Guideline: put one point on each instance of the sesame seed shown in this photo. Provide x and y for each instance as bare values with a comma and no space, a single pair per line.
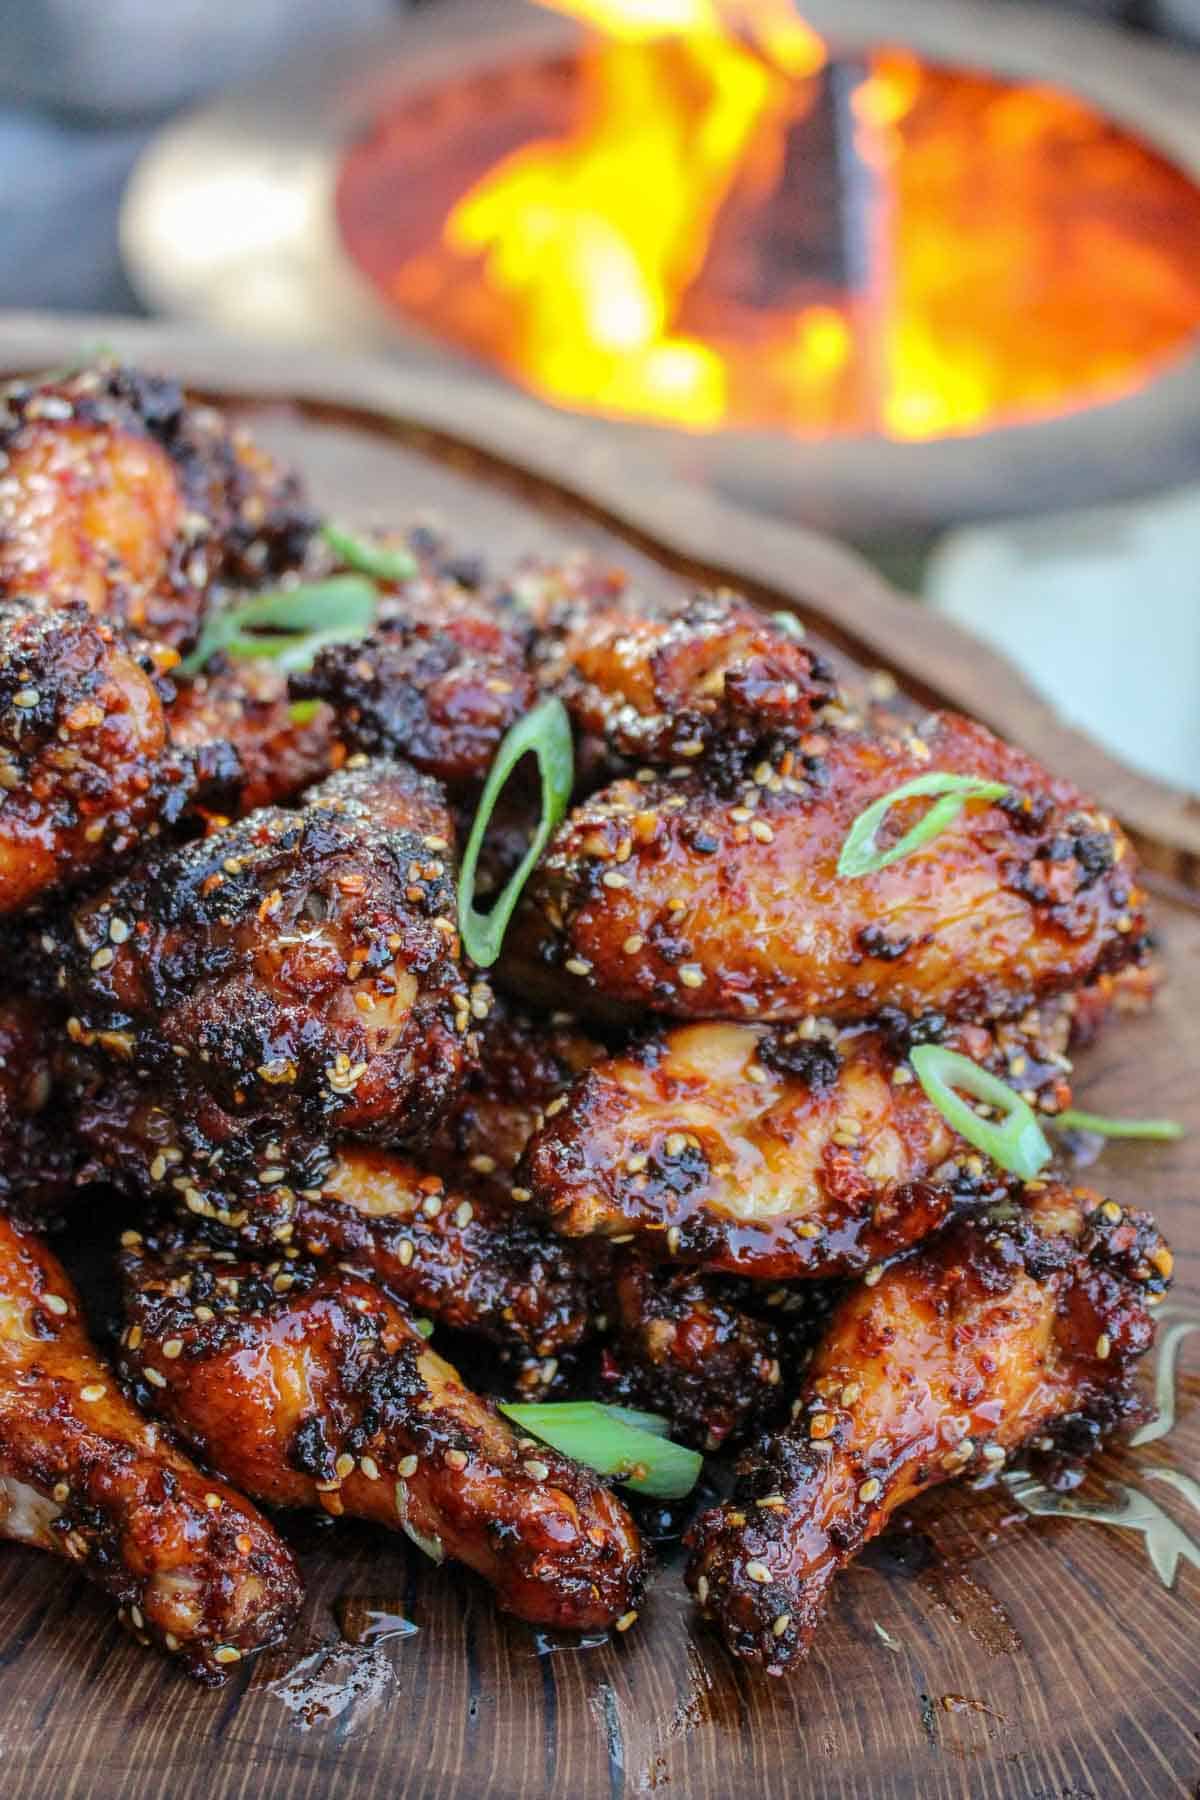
612,879
575,965
851,1392
1103,1346
633,943
369,1467
60,1492
456,1459
872,1275
405,1252
637,1162
992,1453
758,1571
26,698
676,1143
780,1624
702,1589
691,975
407,1466
244,1542
762,831
1112,1212
536,1469
343,1468
95,1390
626,1620
673,1240
464,1212
821,1425
225,1653
103,957
172,1348
154,1378
521,1194
56,1304
870,1489
484,1165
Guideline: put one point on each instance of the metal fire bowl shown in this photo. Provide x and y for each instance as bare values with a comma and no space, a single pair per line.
229,220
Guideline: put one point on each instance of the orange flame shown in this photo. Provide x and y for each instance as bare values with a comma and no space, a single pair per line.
1018,254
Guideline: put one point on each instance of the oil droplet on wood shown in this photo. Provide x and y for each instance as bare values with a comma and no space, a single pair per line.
366,1621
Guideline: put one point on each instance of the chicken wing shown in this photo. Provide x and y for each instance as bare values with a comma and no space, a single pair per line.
86,765
303,965
193,1567
712,676
119,492
310,1388
701,900
775,1151
1011,1322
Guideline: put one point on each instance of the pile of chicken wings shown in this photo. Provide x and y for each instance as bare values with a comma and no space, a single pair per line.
669,1152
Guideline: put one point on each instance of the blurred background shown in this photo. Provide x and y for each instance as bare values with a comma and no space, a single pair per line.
939,294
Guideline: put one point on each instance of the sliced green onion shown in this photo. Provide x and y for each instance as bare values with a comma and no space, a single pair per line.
545,733
303,712
290,624
1166,1130
604,1439
789,623
1018,1144
382,562
861,856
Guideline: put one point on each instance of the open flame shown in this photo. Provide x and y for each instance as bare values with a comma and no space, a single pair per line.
737,228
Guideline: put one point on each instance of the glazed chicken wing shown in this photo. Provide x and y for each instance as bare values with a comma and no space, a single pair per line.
712,677
192,1566
699,899
1009,1323
86,764
299,964
310,1388
119,492
774,1151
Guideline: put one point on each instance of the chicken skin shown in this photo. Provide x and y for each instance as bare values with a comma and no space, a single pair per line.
310,1388
439,683
272,749
86,763
1010,1323
777,1152
119,492
192,1566
714,676
699,899
300,964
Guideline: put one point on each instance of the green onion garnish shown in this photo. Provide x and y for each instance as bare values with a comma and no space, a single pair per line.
789,623
545,733
382,562
303,712
608,1440
860,855
289,625
1018,1144
1167,1130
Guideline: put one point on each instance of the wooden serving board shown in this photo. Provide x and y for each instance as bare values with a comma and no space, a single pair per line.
979,1651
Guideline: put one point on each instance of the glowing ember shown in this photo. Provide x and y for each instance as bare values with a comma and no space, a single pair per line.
734,229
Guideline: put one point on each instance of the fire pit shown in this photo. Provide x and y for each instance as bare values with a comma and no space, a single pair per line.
862,283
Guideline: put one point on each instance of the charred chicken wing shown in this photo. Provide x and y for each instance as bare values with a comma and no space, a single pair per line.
773,1151
310,1388
1009,1323
192,1566
86,765
300,963
700,898
118,491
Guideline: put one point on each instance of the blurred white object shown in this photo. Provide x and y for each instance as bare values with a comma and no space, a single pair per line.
1101,610
135,58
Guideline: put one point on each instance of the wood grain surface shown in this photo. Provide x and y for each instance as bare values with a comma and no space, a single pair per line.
976,1652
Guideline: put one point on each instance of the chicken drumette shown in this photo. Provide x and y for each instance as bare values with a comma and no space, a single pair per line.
1011,1322
310,1388
709,897
192,1566
119,492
